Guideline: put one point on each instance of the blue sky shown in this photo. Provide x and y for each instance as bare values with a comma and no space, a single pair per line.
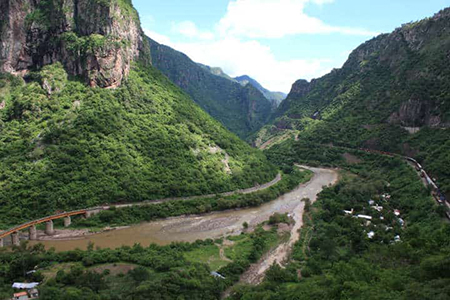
276,41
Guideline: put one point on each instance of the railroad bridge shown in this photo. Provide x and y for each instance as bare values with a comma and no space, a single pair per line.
31,226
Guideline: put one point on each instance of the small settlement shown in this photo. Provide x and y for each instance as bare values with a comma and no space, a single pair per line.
379,217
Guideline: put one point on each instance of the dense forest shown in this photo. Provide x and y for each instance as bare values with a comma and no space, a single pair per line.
72,146
403,256
401,253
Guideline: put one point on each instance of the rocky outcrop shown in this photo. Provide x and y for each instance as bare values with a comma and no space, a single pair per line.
300,89
95,39
415,113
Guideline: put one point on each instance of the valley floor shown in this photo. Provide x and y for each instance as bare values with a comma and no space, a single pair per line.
212,225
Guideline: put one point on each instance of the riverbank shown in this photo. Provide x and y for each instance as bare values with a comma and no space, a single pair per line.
191,228
279,255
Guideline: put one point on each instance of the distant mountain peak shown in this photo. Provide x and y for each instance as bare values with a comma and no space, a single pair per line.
274,97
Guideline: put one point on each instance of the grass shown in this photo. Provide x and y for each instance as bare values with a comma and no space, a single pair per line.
241,248
209,255
114,268
243,244
51,271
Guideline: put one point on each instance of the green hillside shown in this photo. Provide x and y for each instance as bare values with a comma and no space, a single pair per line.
274,97
243,110
391,87
85,146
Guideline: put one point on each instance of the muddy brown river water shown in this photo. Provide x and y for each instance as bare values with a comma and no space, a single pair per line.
213,225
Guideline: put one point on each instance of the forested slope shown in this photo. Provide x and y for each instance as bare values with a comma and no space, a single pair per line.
67,143
274,97
242,109
390,88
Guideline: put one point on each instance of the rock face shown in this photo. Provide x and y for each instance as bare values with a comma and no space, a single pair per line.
300,88
415,113
95,39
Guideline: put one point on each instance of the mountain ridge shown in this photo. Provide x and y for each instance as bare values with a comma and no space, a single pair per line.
391,86
275,97
243,110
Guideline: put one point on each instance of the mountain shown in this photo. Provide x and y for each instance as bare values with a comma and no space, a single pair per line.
243,110
392,94
217,71
86,120
275,97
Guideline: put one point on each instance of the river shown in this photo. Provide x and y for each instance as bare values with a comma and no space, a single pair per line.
213,225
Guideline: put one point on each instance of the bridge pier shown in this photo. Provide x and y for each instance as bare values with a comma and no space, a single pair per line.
67,221
15,239
88,214
1,243
32,233
49,228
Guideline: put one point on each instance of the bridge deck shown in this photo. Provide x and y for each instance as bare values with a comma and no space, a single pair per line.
42,220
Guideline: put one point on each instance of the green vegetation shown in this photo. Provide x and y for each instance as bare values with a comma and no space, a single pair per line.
91,44
208,254
146,213
433,150
50,13
274,97
176,271
335,258
80,147
253,246
243,110
277,218
388,84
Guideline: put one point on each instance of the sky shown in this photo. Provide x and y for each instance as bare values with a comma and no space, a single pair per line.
276,42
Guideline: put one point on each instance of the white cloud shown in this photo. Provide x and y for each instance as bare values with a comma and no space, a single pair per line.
190,30
162,39
276,19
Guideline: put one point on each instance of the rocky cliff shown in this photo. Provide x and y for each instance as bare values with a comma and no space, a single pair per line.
94,39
